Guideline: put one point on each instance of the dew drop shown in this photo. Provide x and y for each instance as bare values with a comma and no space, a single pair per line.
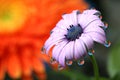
69,62
53,61
60,67
97,14
51,32
100,17
107,44
103,27
43,50
106,25
91,52
78,12
81,62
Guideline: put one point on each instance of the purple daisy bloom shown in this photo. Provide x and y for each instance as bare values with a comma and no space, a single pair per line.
74,35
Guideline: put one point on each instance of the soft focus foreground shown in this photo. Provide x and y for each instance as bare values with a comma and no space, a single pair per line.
24,26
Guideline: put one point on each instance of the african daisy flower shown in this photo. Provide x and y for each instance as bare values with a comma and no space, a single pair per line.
24,26
74,36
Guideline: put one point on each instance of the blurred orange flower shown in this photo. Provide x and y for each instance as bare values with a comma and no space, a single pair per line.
24,26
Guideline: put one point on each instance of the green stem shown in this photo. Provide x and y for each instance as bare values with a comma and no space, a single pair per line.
95,66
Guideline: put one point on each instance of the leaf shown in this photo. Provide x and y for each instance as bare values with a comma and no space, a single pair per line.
117,77
113,60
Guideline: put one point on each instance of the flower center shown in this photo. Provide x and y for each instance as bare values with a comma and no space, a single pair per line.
74,32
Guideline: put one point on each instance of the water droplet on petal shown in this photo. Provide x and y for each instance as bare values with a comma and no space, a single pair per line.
78,12
51,32
103,27
81,62
106,25
43,50
60,67
97,14
107,44
53,61
100,17
91,52
69,62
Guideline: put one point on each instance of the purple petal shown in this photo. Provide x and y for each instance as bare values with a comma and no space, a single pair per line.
62,24
88,41
84,20
66,53
100,38
90,12
62,58
69,50
93,27
52,41
58,48
71,18
58,32
80,49
98,23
